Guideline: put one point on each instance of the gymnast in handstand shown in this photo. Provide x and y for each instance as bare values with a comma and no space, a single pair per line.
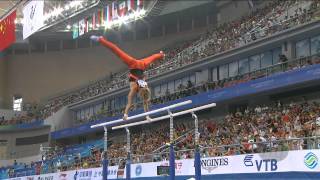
136,75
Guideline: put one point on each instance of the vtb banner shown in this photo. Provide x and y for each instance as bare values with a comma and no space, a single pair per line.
32,17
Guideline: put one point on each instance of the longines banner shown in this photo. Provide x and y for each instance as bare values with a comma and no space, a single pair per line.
286,161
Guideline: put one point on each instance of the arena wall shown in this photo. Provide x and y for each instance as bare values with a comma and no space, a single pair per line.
60,120
3,81
38,75
10,141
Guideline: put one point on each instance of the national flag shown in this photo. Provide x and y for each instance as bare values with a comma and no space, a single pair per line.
81,27
75,30
89,23
114,10
7,31
108,14
102,16
139,4
122,9
99,16
94,21
130,5
86,29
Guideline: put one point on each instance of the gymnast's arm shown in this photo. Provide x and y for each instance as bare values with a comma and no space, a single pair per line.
148,60
115,49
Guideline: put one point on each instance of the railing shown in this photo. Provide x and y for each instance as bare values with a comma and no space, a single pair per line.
280,145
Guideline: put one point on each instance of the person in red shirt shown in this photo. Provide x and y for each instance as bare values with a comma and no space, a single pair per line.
136,75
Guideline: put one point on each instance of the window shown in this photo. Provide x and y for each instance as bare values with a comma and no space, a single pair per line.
266,59
177,84
157,91
302,48
254,62
243,66
17,103
223,72
171,86
315,45
275,55
164,88
233,69
185,81
193,79
32,140
202,76
214,74
78,115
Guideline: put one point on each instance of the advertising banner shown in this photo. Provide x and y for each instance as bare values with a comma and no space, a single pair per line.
32,17
274,162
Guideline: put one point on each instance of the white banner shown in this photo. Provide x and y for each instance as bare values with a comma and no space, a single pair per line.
82,26
292,161
33,17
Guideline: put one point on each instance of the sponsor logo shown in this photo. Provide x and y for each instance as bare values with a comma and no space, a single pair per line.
311,160
33,10
261,164
75,176
177,164
63,176
248,160
213,163
112,172
138,170
46,178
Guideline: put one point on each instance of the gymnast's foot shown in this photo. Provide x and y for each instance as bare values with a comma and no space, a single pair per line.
148,118
95,38
125,117
164,55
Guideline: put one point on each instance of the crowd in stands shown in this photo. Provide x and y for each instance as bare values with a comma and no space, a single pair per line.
264,128
273,18
193,89
18,119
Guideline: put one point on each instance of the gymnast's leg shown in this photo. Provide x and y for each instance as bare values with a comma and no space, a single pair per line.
130,61
148,60
145,94
133,91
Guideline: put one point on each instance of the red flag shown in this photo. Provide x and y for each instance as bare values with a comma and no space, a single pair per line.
7,31
122,9
108,14
130,4
94,21
114,10
99,17
139,4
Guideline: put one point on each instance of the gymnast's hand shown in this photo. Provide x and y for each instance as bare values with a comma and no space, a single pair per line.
95,38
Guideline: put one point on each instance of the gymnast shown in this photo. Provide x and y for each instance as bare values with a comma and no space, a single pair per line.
136,75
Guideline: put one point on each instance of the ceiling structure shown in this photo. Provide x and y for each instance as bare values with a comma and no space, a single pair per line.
6,5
